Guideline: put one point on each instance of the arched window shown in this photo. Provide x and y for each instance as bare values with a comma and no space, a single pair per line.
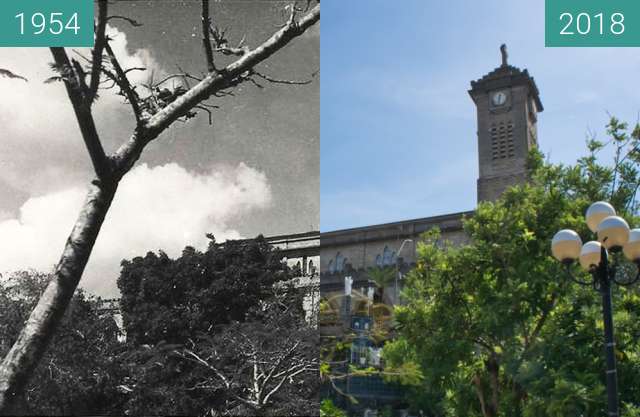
332,267
387,256
379,260
339,262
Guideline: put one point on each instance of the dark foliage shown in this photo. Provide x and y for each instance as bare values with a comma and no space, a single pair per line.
78,373
226,306
230,305
172,300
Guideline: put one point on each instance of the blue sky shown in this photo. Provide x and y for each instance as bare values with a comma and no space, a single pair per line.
398,128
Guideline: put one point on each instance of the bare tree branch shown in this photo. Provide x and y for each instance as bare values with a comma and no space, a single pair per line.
97,50
278,81
188,354
8,74
262,374
82,109
208,112
206,40
134,23
222,43
171,76
214,83
123,82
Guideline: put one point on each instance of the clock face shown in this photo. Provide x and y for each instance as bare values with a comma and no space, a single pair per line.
499,98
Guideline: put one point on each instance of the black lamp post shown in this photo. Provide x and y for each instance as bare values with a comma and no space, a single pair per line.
614,237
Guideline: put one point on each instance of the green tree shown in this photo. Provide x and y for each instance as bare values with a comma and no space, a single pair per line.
496,327
329,409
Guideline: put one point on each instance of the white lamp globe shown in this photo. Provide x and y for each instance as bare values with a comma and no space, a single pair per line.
597,212
590,255
565,245
632,248
613,232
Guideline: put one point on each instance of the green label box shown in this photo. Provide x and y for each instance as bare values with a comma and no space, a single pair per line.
46,23
592,22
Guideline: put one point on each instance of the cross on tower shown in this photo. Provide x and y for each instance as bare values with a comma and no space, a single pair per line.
503,51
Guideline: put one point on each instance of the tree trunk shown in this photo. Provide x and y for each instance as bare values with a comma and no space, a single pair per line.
493,367
480,393
21,360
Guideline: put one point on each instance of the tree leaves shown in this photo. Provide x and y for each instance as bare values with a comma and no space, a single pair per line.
503,301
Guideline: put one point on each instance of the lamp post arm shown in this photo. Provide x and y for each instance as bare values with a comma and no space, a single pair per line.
567,268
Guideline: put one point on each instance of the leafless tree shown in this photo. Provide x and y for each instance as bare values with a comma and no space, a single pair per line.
251,374
154,113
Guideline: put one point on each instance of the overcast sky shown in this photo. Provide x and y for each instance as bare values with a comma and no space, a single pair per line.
398,126
256,170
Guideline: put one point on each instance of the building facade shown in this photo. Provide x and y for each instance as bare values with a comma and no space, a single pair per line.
361,269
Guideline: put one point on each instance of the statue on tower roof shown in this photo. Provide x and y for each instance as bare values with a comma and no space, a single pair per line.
503,51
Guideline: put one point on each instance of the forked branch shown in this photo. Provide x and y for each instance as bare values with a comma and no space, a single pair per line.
97,50
76,89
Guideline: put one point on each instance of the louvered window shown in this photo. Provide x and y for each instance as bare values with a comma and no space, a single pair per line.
502,146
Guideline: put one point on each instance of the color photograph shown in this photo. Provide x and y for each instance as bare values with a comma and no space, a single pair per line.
459,158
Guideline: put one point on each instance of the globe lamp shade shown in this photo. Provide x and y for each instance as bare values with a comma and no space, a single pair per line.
597,212
613,232
590,255
566,245
632,248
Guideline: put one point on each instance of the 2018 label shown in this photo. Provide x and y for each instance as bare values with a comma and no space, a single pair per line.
581,24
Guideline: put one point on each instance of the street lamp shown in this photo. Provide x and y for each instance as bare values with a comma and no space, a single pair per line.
613,236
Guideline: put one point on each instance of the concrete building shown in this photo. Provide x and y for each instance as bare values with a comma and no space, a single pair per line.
507,102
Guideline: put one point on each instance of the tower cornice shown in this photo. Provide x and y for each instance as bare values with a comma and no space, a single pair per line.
505,76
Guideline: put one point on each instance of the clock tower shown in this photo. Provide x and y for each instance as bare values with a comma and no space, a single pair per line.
508,103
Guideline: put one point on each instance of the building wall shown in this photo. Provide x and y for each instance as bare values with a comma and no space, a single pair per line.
366,247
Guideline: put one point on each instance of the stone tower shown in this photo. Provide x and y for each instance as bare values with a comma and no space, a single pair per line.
507,102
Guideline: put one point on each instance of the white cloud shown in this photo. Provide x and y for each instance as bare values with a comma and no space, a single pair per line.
139,58
164,207
37,119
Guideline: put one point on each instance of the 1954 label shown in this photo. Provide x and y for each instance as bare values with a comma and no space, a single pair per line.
46,23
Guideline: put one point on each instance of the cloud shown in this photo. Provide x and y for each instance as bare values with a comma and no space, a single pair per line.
139,58
37,119
164,207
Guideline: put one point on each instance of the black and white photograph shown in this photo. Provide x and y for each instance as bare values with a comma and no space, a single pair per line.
159,214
